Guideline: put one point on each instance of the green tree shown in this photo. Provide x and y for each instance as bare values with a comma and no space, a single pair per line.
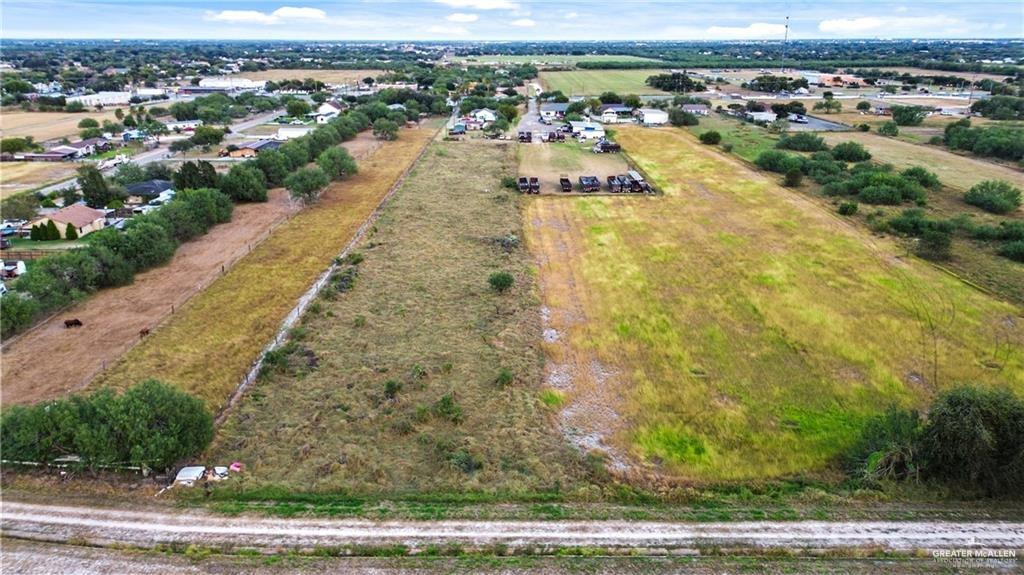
244,183
88,123
274,166
336,162
94,188
297,108
890,129
20,207
70,233
935,244
677,117
385,129
500,281
828,105
52,233
711,137
297,152
863,105
794,177
307,183
130,173
908,115
850,152
207,136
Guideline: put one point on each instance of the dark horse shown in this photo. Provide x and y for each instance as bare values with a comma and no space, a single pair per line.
69,323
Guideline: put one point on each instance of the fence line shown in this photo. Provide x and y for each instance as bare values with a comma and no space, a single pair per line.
293,316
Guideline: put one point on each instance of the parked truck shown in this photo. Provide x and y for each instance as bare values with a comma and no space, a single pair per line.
566,184
534,186
524,185
590,184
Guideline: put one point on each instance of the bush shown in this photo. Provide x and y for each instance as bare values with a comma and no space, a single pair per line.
336,163
908,115
935,244
802,142
847,208
850,152
501,281
678,117
1012,250
890,129
778,162
975,439
886,448
152,424
922,176
307,183
245,183
995,196
711,138
793,178
863,128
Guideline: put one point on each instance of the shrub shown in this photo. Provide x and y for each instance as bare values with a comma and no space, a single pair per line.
391,388
727,148
70,233
850,152
886,448
802,142
244,183
921,176
307,183
975,439
152,424
336,163
793,178
500,281
863,128
890,129
847,208
447,408
995,196
1013,250
504,378
908,115
777,161
711,138
935,244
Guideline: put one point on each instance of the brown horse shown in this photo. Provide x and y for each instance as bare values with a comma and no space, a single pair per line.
70,323
143,332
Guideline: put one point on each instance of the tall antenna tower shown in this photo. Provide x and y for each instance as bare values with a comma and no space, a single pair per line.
785,39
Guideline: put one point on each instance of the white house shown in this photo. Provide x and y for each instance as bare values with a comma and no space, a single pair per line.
102,99
183,125
330,107
230,83
615,113
587,130
766,117
652,117
697,109
484,115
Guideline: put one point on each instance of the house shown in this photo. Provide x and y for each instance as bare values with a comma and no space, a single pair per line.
330,107
183,125
142,192
587,130
81,217
697,109
615,113
762,117
251,149
83,148
484,115
102,99
129,135
652,117
553,110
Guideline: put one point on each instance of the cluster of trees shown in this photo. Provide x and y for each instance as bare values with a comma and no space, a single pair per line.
150,425
773,84
220,108
802,142
994,196
49,231
675,82
112,258
203,136
936,235
972,439
1000,108
992,141
909,115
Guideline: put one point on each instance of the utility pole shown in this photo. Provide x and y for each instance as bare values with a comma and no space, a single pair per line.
785,39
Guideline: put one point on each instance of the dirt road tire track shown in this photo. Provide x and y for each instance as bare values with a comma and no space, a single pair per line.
146,529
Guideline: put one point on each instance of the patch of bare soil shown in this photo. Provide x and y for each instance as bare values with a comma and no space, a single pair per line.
50,360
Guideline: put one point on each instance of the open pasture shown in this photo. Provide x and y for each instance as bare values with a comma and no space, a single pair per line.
208,345
326,76
733,329
596,82
18,177
45,126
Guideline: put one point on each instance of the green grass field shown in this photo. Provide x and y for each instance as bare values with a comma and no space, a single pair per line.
747,140
747,331
419,325
595,82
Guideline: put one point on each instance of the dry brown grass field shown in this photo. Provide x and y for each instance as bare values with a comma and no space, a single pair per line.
47,125
208,345
17,177
395,383
549,162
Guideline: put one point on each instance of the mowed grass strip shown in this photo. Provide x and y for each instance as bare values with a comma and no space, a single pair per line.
418,325
751,331
596,82
208,345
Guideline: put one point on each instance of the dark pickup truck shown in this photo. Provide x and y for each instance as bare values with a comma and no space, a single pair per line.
524,185
566,184
590,184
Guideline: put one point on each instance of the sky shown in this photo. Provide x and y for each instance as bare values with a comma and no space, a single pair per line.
507,19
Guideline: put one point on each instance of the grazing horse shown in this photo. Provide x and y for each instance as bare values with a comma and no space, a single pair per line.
70,323
143,332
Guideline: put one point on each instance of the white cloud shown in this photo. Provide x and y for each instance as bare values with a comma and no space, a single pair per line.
481,4
523,23
571,15
901,9
460,17
755,31
890,26
256,17
448,31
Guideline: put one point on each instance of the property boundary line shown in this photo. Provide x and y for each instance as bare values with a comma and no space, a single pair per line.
293,316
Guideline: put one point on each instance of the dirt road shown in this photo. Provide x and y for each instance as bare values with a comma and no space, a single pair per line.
147,529
50,360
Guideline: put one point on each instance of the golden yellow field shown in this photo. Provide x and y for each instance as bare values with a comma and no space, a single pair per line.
734,329
208,346
328,76
20,176
47,125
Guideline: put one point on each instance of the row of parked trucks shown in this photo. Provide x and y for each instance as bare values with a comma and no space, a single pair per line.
629,183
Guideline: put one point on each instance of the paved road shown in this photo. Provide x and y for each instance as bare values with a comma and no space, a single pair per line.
815,124
148,529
